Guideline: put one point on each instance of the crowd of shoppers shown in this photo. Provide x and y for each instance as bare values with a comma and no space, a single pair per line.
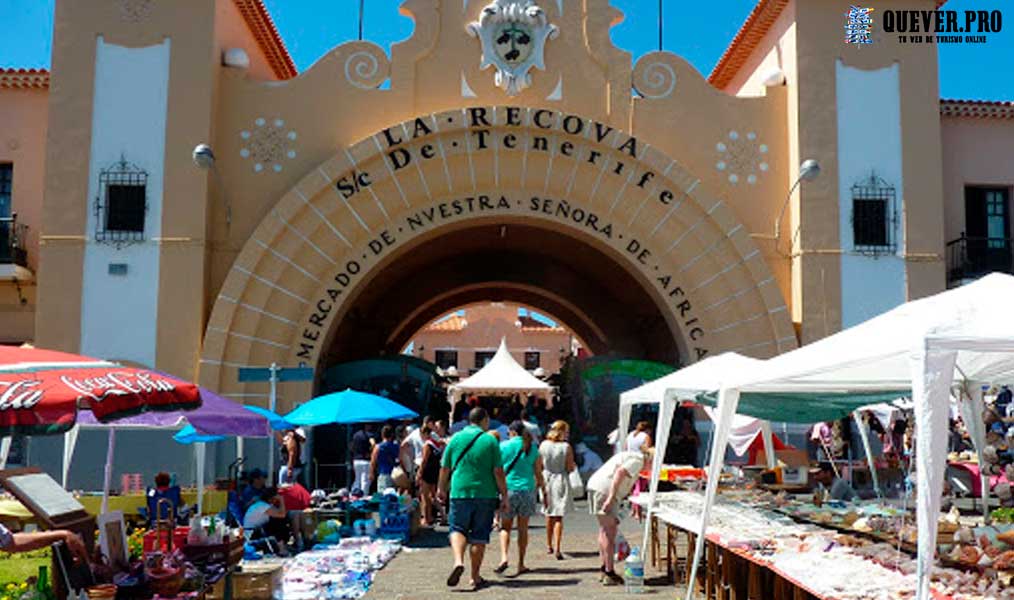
487,476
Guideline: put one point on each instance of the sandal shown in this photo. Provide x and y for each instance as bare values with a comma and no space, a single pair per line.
455,576
559,556
478,585
500,568
522,571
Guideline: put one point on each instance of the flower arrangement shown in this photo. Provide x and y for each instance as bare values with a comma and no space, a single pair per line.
13,591
135,543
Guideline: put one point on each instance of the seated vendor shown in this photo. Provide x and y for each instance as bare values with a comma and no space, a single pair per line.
254,488
839,488
268,514
297,502
172,493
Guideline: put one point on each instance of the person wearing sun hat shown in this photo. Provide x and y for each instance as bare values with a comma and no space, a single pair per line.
293,447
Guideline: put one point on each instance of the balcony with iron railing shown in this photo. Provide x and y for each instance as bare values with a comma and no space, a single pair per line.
972,257
12,242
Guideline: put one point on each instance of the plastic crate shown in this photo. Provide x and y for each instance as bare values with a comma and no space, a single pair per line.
179,539
395,526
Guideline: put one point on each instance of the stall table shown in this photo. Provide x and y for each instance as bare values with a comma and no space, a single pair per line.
13,511
729,569
215,501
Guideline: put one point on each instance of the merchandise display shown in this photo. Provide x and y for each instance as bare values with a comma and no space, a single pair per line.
847,552
336,572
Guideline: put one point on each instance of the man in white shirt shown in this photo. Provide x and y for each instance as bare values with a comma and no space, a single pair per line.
609,486
412,449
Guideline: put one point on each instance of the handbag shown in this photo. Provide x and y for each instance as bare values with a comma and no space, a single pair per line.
399,478
576,484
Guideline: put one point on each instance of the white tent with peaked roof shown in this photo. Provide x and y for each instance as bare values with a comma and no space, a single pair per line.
501,375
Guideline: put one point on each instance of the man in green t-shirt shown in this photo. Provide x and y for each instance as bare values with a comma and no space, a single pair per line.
471,476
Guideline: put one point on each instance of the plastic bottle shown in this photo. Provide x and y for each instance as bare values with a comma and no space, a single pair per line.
633,572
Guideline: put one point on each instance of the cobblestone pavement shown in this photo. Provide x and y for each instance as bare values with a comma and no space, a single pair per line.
419,572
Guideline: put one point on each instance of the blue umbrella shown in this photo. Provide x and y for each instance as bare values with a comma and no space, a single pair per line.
189,435
276,421
348,407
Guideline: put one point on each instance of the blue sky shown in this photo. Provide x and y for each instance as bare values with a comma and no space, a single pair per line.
312,27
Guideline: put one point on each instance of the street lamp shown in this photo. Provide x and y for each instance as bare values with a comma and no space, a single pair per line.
204,158
808,171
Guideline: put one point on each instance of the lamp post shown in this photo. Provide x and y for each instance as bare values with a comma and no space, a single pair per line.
204,158
808,171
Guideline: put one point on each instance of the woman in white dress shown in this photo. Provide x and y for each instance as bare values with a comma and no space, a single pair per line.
558,462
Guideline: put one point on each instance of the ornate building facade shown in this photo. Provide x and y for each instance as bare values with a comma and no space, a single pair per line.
507,150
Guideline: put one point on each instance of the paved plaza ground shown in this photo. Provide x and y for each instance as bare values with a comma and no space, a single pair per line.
419,571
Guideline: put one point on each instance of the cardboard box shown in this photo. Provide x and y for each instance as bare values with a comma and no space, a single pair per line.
216,591
257,581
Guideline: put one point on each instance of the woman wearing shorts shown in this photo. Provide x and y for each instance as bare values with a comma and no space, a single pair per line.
523,469
428,474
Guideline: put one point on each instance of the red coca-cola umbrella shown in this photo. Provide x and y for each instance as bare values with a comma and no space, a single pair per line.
42,390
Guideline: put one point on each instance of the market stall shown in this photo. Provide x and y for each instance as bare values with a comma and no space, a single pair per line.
685,385
216,416
763,545
502,375
960,339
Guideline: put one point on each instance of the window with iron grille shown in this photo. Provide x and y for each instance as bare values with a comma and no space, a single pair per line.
122,204
532,360
874,216
446,359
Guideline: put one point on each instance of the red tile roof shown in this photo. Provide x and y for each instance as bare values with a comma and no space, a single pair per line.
757,25
37,79
452,323
530,324
978,109
258,20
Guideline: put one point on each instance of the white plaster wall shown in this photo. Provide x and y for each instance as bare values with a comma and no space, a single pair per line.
869,139
118,313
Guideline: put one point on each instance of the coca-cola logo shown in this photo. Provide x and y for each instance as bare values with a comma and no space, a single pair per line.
19,395
99,388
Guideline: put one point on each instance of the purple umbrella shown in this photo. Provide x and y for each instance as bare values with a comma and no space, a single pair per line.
215,416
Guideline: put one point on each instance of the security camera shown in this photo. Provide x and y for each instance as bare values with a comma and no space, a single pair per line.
204,158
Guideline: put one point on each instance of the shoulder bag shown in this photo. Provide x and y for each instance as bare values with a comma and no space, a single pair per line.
457,461
514,461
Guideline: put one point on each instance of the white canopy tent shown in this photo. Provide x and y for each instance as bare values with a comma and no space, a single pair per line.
501,375
961,338
687,384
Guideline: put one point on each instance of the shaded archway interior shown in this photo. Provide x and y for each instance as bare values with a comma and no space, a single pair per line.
547,270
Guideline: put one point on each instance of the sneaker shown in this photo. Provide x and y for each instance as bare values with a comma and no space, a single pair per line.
611,578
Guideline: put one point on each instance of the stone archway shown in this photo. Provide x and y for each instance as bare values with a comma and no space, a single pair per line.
353,216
